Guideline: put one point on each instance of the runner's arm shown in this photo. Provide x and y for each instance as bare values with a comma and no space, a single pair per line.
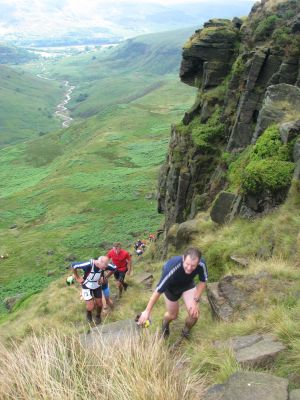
199,290
78,278
146,313
129,264
84,266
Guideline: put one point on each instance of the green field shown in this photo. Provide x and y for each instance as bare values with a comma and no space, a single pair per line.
76,190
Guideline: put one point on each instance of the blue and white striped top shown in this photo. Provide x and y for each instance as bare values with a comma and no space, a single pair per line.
174,277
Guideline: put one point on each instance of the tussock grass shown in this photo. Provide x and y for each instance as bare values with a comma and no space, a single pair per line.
57,366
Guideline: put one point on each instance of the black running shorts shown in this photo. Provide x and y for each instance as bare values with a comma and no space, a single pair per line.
174,293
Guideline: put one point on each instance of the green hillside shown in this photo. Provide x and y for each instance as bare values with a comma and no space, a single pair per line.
122,74
27,105
77,190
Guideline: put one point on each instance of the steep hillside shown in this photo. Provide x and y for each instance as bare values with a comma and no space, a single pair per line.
27,105
75,191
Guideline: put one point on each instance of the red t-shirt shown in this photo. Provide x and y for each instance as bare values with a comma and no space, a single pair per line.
120,260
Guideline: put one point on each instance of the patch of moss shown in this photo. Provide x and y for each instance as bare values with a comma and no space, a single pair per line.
269,145
267,165
206,134
270,174
265,27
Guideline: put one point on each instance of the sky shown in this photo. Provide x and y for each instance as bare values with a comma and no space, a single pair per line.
123,18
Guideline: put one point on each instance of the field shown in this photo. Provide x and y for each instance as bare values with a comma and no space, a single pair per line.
74,191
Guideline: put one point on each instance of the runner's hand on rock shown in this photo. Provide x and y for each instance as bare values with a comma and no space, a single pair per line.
144,317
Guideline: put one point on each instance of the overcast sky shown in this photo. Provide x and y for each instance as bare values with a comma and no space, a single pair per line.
124,18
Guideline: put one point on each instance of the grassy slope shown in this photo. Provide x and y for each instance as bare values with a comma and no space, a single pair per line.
78,189
122,74
59,307
27,105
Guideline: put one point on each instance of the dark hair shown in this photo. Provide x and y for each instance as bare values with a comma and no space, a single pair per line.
117,244
192,252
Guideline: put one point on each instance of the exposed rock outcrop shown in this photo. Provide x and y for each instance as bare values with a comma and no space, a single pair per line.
235,296
255,350
247,75
250,386
109,333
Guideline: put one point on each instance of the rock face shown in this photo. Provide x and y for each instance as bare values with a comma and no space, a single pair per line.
222,207
144,278
110,332
254,350
295,395
280,103
234,296
250,386
248,78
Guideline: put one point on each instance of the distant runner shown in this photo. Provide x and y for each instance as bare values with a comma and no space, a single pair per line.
177,280
91,281
122,260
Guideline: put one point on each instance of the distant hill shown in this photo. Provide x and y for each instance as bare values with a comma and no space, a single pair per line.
121,74
15,55
27,105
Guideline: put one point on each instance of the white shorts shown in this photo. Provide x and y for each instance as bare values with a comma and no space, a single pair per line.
89,294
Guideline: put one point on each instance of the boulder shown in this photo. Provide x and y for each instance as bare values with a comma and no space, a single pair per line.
281,104
110,333
254,350
295,394
13,226
234,296
240,260
289,130
185,232
221,209
10,302
250,386
220,307
213,44
144,278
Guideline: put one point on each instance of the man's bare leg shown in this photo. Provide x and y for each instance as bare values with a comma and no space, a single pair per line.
188,298
170,315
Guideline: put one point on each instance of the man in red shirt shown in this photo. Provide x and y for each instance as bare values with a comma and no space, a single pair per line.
122,260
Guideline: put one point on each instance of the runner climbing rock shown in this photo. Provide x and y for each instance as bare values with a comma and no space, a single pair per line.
177,280
91,284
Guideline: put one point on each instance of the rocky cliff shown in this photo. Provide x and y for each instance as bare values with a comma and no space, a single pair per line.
238,147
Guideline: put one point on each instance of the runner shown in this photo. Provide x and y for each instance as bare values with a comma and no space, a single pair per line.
122,260
93,272
177,280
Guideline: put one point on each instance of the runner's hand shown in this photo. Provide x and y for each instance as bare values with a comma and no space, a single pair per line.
144,317
194,311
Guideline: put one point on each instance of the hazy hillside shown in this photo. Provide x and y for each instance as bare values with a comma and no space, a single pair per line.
27,105
122,74
15,55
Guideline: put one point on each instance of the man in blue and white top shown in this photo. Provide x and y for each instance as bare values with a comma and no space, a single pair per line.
177,280
92,282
